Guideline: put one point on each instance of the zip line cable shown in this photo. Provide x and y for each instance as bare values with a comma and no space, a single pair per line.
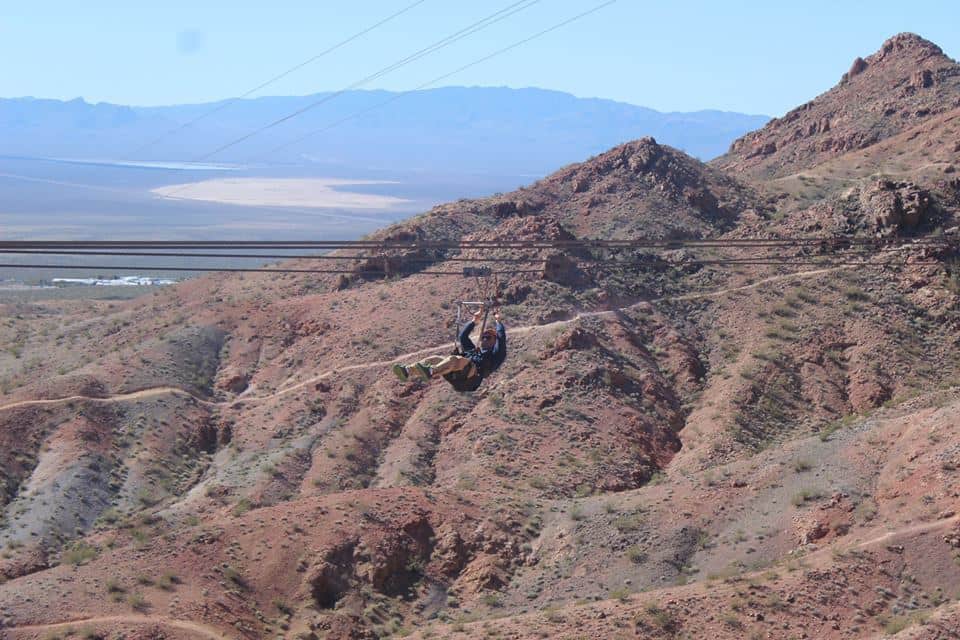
799,241
851,248
229,102
471,29
382,274
435,80
493,244
825,261
237,269
403,259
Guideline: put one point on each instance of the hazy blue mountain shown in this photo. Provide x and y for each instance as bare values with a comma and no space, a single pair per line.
456,129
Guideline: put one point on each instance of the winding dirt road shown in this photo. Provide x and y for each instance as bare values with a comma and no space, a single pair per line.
200,630
120,397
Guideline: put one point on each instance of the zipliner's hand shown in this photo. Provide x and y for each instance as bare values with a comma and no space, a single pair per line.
477,316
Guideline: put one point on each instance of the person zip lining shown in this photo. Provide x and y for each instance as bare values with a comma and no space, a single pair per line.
467,369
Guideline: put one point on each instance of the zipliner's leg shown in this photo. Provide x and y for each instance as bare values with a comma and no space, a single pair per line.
441,365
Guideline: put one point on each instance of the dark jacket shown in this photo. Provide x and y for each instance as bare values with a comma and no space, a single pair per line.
486,362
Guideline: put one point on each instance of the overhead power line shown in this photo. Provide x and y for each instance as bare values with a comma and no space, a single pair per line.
226,103
61,183
471,29
438,79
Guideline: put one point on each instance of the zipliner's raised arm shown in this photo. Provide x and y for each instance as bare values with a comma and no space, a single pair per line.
466,344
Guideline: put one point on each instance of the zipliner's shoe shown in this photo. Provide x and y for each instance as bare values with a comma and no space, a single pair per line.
401,372
424,371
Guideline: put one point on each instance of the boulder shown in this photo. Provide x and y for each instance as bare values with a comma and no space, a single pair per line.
892,207
233,380
575,339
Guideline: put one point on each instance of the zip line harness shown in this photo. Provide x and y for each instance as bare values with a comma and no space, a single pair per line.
487,289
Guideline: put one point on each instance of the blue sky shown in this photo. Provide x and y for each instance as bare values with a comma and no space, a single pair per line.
754,57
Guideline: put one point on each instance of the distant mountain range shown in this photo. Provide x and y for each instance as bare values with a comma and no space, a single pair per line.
456,129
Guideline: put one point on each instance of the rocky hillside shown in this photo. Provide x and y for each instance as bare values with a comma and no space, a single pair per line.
906,82
675,447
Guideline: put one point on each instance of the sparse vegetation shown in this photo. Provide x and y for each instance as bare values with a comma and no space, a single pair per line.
660,619
806,495
168,581
621,594
137,602
243,505
80,553
828,431
235,577
866,510
895,624
113,586
628,523
731,621
855,294
538,483
492,600
636,555
282,607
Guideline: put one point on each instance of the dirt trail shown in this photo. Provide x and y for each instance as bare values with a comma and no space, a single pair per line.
120,397
184,625
924,527
518,331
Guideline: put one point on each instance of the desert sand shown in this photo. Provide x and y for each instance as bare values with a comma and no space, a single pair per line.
282,192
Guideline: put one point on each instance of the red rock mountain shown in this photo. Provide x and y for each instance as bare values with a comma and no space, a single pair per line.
675,447
906,82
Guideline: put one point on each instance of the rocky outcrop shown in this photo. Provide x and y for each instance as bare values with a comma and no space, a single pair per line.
859,66
233,380
922,79
398,559
892,207
395,261
562,269
832,518
332,577
575,338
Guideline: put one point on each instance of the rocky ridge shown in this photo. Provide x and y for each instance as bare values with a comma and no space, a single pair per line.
906,82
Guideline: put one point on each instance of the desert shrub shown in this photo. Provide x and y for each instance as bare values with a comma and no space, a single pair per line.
80,553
